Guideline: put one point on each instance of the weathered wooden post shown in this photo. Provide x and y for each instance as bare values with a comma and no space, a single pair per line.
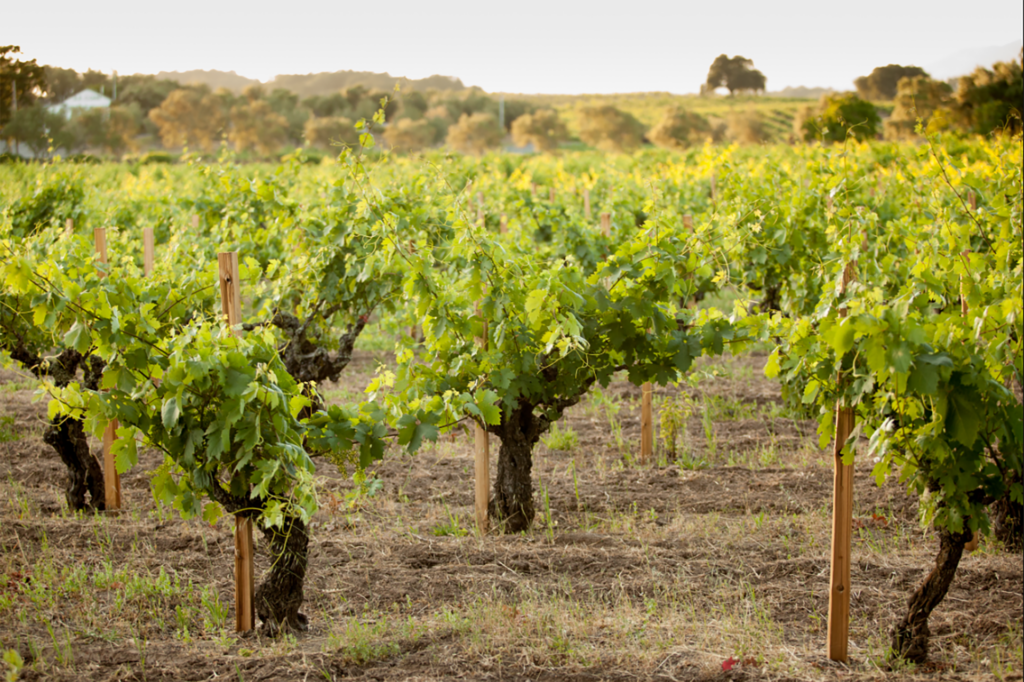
586,204
606,224
245,574
842,521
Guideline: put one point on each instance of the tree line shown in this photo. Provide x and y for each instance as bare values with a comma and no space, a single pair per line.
264,121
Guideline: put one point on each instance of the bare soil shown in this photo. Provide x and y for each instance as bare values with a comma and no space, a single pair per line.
711,565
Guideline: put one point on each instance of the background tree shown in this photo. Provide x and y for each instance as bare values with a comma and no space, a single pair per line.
147,92
330,131
543,129
610,129
990,99
746,127
413,105
254,125
679,128
734,73
514,108
883,81
440,119
840,116
475,133
98,81
918,98
39,129
408,135
61,83
27,78
114,129
190,116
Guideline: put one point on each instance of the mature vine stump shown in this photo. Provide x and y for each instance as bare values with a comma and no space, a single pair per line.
280,596
910,636
67,437
512,504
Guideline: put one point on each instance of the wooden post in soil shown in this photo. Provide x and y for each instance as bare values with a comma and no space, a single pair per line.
586,204
245,574
973,199
480,209
842,524
148,250
69,227
195,221
606,224
503,225
482,457
111,479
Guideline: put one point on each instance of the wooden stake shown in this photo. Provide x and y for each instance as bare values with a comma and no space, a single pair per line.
533,188
195,221
245,574
714,187
503,226
100,237
606,224
111,479
973,199
69,227
482,461
148,249
688,222
551,195
646,424
586,204
842,525
480,208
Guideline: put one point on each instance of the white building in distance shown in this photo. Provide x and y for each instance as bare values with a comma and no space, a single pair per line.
86,99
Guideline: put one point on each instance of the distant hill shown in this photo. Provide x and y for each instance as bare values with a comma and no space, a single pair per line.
965,61
215,79
800,92
307,85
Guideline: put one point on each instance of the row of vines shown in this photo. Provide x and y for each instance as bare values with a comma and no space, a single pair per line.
884,279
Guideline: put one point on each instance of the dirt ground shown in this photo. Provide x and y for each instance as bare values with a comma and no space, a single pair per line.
712,563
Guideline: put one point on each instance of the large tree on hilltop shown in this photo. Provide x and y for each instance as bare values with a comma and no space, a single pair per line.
734,73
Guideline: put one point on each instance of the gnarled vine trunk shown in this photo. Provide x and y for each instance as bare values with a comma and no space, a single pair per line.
910,636
512,504
67,436
279,596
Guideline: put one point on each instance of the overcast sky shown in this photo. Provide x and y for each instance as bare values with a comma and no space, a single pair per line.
530,46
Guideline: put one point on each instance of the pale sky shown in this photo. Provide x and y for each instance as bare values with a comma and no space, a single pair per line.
529,46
